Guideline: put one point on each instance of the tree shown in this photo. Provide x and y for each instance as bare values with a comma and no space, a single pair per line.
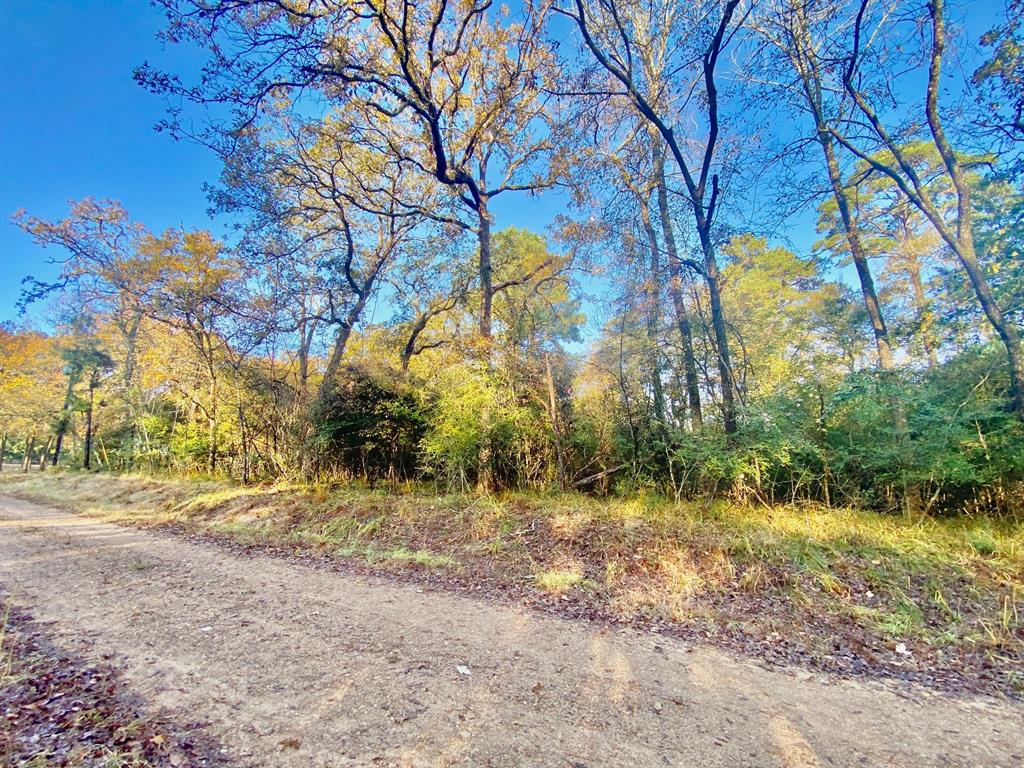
894,230
83,359
31,384
431,292
200,294
1001,78
466,86
614,33
110,271
956,231
800,32
776,302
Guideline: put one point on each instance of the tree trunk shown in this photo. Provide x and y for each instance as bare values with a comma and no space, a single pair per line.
676,289
211,409
65,420
410,345
823,445
211,429
804,60
26,462
242,438
337,353
133,398
652,300
923,310
42,456
486,269
87,458
1003,326
303,359
962,242
341,340
711,276
485,479
556,426
3,450
860,261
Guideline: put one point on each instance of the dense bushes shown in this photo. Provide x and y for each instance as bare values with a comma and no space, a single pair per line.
480,430
370,427
943,440
933,441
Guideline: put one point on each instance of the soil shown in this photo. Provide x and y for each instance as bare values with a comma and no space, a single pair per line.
60,710
294,665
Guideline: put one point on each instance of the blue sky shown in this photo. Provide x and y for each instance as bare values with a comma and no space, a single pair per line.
73,124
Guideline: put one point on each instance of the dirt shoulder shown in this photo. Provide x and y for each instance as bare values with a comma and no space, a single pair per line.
293,665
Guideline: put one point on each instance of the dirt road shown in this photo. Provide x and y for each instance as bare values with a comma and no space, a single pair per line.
299,666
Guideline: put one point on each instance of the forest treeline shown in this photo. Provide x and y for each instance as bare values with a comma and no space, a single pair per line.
368,315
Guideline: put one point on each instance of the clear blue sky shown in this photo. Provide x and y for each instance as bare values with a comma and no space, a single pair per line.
73,124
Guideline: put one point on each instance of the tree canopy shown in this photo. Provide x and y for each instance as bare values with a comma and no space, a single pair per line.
373,316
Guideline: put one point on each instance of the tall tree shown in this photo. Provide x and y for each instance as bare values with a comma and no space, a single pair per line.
800,32
106,266
469,84
957,230
614,32
676,284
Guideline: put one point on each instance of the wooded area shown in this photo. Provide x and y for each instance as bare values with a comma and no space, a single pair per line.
370,317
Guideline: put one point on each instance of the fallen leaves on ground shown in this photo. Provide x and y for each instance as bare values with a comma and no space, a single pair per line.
59,710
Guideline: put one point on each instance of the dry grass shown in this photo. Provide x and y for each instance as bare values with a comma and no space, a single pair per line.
932,583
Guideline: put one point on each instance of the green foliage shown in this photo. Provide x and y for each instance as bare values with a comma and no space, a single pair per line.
479,427
369,427
960,448
768,460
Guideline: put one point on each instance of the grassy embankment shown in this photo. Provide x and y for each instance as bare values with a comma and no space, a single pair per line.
840,588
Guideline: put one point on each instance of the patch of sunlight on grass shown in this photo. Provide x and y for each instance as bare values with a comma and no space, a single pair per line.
680,574
400,555
258,515
558,582
806,554
211,499
628,509
244,532
128,514
569,523
419,557
831,583
813,538
370,527
337,530
652,599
